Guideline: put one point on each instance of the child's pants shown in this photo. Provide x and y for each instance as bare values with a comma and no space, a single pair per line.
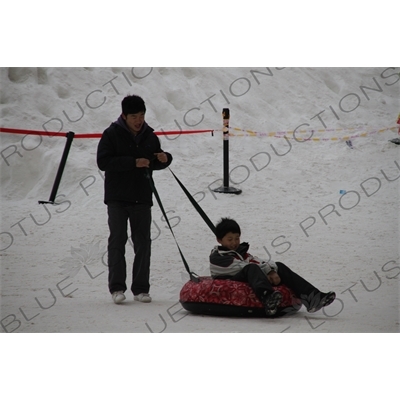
258,281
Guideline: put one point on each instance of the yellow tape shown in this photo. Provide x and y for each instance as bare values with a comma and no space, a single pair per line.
282,134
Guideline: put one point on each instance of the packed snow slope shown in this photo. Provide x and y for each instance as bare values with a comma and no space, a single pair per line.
327,209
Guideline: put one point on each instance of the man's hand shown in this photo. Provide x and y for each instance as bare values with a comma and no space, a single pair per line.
162,157
142,163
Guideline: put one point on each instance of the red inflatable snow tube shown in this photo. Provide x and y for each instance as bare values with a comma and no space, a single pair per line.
230,298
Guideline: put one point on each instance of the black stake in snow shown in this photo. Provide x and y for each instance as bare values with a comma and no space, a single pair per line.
225,188
70,138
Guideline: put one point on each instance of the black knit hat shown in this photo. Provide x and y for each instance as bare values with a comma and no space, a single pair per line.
133,105
225,226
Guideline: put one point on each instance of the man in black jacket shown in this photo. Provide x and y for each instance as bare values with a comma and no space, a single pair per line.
129,152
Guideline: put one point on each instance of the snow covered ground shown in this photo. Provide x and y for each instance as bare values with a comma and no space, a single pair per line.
53,256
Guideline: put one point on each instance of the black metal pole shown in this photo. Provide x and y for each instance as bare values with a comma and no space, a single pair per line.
70,138
226,188
226,117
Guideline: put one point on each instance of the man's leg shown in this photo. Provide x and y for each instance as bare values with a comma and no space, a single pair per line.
140,222
117,222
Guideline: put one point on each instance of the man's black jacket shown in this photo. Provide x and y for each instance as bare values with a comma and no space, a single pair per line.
117,152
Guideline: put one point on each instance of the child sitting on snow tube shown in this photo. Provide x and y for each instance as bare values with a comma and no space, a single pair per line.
232,261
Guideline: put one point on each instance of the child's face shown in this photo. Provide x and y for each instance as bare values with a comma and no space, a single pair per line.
231,241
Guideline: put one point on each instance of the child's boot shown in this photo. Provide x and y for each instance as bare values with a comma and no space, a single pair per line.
319,300
271,302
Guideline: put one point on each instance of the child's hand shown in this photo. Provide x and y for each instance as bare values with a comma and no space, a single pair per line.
274,278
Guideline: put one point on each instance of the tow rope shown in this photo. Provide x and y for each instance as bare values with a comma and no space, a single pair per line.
196,205
193,276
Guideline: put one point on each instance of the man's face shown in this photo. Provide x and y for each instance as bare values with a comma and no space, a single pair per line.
231,241
134,121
